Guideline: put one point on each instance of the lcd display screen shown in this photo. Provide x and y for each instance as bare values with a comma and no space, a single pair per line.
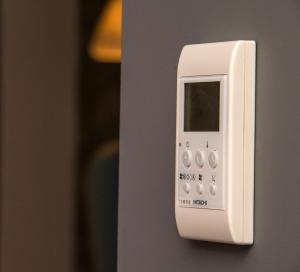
202,106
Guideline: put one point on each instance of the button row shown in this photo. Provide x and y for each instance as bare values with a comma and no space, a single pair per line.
200,188
187,158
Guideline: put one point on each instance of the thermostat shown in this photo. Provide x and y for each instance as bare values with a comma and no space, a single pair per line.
214,178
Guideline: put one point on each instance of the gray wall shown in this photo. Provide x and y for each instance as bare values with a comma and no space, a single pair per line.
154,33
38,117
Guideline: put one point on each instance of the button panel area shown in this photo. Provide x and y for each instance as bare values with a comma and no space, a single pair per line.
187,158
213,159
187,187
213,189
200,188
199,158
199,181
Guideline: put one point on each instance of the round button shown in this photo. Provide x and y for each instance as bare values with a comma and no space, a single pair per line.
199,158
187,187
200,188
213,159
213,189
187,158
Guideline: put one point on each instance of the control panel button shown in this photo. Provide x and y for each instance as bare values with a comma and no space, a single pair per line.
200,188
213,159
213,189
187,158
199,158
187,187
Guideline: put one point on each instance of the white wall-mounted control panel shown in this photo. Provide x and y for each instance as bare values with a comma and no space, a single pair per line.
214,177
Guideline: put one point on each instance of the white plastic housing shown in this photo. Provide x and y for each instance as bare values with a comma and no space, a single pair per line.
227,217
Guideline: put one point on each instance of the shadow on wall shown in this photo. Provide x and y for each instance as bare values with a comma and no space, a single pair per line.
99,139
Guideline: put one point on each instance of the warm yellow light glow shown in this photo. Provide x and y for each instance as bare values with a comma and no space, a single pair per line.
105,45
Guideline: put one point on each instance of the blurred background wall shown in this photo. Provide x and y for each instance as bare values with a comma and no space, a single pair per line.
99,110
60,92
39,79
